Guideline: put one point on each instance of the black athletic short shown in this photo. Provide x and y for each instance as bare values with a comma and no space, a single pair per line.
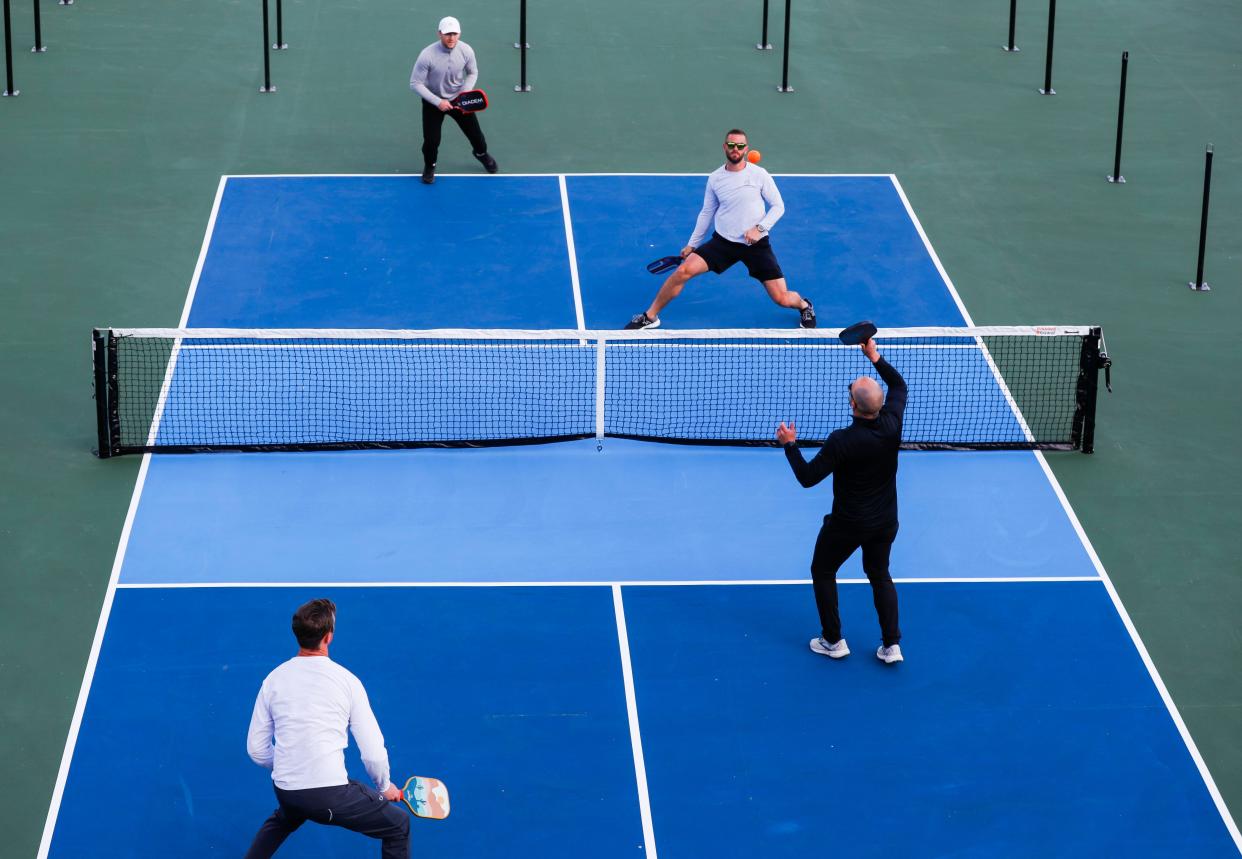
720,254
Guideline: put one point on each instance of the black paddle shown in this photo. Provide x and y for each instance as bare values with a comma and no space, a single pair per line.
858,333
663,264
470,101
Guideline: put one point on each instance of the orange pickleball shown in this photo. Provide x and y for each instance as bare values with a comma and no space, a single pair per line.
754,156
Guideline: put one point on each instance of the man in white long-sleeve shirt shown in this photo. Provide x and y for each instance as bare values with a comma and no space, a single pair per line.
444,69
305,706
742,205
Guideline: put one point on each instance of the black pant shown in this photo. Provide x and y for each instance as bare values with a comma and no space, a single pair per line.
354,806
835,544
433,119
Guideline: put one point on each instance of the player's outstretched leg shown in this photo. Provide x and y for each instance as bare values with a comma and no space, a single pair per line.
786,297
692,266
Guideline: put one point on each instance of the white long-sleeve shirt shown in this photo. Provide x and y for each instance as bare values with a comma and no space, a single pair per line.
439,73
734,202
305,706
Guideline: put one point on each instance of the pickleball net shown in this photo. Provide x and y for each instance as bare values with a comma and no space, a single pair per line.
190,390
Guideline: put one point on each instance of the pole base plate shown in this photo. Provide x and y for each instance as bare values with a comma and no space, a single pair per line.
520,88
1120,180
1200,287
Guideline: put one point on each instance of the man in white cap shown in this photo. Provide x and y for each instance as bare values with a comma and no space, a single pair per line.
444,69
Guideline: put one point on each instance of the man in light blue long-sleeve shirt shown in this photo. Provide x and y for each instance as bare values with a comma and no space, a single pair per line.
742,204
444,69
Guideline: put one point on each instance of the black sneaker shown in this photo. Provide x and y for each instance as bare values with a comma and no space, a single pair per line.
642,320
488,162
807,317
429,174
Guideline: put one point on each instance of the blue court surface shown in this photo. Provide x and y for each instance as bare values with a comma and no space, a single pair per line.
604,652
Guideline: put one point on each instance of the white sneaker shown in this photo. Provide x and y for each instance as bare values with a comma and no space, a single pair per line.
834,651
889,655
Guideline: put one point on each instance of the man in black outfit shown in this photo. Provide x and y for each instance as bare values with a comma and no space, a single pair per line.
862,458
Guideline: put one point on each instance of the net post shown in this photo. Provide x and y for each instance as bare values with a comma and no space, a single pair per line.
9,89
267,59
106,418
1199,285
764,44
521,44
1052,25
1121,119
279,44
600,388
39,47
1013,14
785,87
1089,363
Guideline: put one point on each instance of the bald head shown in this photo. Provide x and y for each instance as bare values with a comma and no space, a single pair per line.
868,397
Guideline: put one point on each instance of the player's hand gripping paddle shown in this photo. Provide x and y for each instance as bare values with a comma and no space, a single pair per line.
858,333
470,101
426,797
663,264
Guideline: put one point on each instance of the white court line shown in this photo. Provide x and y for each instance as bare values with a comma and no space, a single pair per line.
1202,766
105,612
597,584
531,175
636,740
573,254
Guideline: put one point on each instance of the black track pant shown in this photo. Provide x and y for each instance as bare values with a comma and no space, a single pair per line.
353,806
433,120
833,547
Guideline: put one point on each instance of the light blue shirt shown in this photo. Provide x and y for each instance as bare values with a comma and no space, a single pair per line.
734,202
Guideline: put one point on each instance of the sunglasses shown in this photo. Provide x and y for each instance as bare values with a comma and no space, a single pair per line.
736,145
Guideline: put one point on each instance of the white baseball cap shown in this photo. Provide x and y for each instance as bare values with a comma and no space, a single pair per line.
450,25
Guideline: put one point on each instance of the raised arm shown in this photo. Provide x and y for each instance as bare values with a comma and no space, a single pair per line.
896,400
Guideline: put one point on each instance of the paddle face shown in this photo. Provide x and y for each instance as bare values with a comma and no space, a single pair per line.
859,332
426,797
663,264
470,101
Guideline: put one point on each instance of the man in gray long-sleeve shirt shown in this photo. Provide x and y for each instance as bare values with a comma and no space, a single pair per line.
734,204
444,69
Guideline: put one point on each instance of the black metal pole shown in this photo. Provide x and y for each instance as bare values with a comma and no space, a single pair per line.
1013,14
522,45
1199,285
785,87
1121,120
267,60
39,47
8,53
764,44
1052,25
280,45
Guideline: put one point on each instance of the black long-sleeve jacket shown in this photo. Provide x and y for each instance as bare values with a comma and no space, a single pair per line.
862,459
